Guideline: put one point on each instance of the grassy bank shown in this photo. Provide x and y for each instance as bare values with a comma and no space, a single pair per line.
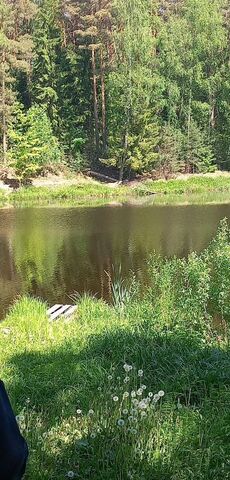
92,192
137,390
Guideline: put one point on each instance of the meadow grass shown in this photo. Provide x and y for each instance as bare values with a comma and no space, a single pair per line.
135,390
93,192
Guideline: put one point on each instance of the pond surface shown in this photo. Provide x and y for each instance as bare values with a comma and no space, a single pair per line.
53,252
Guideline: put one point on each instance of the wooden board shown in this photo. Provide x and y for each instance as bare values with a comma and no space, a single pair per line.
57,311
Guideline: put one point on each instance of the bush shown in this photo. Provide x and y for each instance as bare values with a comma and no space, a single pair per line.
32,143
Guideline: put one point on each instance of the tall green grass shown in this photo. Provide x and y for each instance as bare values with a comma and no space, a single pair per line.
138,390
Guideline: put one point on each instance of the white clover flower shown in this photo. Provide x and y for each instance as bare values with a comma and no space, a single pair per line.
133,394
70,474
161,393
79,411
120,422
115,398
110,377
150,394
140,373
126,380
125,411
139,392
156,397
91,412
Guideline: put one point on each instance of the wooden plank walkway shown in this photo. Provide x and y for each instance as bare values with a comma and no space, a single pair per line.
57,311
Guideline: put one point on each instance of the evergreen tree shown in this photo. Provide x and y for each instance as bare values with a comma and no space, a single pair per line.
15,53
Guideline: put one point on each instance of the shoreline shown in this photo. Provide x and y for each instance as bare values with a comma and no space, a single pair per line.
84,191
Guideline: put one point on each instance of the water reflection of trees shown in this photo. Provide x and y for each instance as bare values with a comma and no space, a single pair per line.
52,253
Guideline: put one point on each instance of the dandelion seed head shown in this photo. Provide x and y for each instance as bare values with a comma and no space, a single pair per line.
134,411
142,405
135,402
20,418
156,397
143,387
125,411
115,398
126,380
140,373
126,394
133,394
93,435
127,367
79,411
139,392
110,377
130,418
70,474
91,412
121,422
161,393
150,394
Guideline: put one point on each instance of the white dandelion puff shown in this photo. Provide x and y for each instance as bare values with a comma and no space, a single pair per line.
133,394
93,435
126,380
125,411
126,394
79,411
110,377
143,387
140,373
91,412
161,393
115,398
120,422
150,394
139,392
156,397
127,367
70,474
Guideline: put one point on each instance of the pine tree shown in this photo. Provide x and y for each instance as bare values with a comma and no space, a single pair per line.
15,53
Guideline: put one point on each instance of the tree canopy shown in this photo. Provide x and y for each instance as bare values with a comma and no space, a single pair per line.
135,85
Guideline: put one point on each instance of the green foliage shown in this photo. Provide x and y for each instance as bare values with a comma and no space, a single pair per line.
32,143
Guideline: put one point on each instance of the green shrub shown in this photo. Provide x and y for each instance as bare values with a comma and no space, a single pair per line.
32,143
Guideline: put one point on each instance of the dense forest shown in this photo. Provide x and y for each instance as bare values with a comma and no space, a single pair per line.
133,86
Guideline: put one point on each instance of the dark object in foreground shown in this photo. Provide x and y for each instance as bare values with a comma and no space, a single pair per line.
13,448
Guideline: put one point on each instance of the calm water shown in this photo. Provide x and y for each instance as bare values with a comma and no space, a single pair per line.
53,252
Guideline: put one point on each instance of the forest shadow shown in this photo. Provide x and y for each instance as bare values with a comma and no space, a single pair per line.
60,381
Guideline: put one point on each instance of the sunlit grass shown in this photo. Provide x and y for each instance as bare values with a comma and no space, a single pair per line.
194,189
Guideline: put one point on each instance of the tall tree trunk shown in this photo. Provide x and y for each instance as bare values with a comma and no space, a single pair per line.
95,101
4,126
124,156
103,104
